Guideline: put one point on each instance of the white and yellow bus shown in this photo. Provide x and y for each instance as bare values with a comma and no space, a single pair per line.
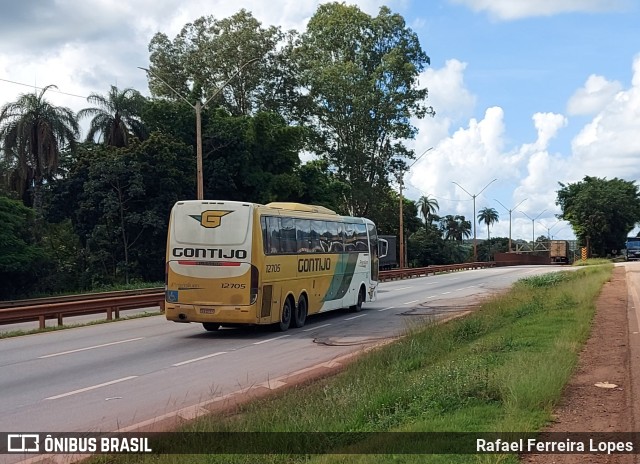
231,262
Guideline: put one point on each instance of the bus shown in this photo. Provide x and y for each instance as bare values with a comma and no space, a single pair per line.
632,248
235,263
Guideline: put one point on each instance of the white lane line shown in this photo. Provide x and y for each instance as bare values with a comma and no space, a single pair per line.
271,339
91,388
316,327
432,296
89,348
411,302
445,293
199,359
390,307
354,317
458,289
401,288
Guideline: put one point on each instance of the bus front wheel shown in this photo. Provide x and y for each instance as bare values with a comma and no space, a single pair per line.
358,306
285,318
300,314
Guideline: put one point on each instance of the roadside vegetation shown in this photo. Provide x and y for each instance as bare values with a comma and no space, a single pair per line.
500,369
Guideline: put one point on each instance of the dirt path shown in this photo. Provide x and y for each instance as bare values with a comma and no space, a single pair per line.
611,355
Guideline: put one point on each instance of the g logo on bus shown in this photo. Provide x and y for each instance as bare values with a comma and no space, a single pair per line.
210,218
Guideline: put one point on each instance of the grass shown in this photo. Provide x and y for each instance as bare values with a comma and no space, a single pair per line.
500,369
592,262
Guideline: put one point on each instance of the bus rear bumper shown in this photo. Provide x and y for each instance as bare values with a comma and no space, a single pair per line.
219,314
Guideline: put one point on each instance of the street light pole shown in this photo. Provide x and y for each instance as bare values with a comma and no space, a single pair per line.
475,246
533,228
400,179
198,109
510,211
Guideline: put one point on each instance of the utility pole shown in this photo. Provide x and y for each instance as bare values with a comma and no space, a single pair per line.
475,246
510,210
198,109
533,228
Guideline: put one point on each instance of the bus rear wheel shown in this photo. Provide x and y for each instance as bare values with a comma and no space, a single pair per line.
358,306
285,317
210,326
300,314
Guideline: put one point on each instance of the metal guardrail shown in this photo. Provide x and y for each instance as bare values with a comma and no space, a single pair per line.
112,305
78,297
430,270
43,309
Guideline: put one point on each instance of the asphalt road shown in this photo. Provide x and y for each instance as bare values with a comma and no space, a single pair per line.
112,376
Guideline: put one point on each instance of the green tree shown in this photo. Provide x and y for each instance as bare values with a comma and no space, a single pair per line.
455,227
428,207
22,261
119,202
251,158
601,212
116,117
209,51
33,132
360,77
489,216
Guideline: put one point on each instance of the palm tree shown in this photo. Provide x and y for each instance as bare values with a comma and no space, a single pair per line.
489,216
33,132
428,207
115,117
455,227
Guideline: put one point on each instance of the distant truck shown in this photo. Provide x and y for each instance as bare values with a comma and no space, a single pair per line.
559,251
391,260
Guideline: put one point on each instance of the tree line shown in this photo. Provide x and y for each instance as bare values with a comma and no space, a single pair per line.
81,212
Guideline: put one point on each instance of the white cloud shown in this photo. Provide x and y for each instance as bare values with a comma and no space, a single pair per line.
593,97
609,145
451,100
517,9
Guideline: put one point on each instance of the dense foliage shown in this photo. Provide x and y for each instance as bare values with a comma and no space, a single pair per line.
602,212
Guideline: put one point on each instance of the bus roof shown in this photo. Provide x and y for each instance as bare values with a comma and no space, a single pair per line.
300,207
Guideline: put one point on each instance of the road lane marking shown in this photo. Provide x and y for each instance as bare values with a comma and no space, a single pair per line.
316,327
390,307
401,288
199,359
91,388
89,348
354,317
271,339
445,293
411,302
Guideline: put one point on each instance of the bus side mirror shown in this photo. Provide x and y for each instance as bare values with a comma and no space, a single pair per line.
383,248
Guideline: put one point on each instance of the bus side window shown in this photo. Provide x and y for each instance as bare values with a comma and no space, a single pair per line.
336,237
317,229
325,237
349,239
361,237
288,241
303,232
272,243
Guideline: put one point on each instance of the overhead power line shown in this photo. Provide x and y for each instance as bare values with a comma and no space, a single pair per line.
40,88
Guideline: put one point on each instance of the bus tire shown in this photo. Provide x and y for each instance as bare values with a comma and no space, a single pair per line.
300,313
285,317
210,326
358,306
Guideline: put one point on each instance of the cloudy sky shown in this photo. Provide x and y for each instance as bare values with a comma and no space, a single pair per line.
528,92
